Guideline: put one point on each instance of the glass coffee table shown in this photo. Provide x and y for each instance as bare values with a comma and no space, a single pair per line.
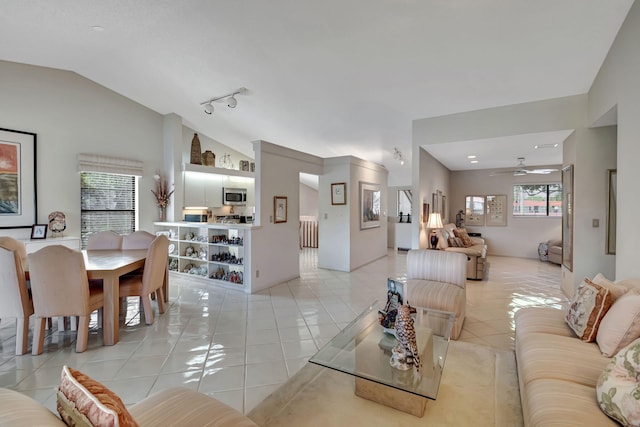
363,349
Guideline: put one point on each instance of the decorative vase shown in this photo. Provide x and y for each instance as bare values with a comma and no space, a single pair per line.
162,212
208,158
196,153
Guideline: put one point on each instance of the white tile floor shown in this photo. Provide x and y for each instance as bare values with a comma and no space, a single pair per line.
239,348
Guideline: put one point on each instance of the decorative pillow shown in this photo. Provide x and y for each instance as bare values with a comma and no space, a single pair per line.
618,390
82,401
589,305
464,236
459,242
621,324
616,290
443,239
452,242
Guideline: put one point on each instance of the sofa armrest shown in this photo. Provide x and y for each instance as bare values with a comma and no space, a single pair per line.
180,406
477,240
17,409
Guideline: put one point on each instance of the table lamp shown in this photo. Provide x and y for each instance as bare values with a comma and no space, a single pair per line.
434,223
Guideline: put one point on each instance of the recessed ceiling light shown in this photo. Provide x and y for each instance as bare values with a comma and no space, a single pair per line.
545,146
97,28
474,161
471,157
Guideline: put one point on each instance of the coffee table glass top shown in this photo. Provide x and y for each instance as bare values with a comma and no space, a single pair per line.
363,350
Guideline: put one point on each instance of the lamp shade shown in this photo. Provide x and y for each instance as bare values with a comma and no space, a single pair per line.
435,221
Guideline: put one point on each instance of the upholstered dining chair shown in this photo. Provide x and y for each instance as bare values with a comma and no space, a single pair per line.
15,301
104,240
18,246
60,287
151,280
137,240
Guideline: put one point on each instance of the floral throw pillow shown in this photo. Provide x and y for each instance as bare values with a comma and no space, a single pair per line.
618,389
589,305
462,234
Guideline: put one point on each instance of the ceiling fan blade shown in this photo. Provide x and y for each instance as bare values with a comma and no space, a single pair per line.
542,171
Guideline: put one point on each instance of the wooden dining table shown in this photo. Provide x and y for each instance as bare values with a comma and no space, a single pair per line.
109,265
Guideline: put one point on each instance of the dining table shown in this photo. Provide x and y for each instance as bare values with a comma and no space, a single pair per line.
109,265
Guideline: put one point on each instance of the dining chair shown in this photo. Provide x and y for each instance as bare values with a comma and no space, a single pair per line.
104,240
18,246
137,240
151,280
60,287
15,301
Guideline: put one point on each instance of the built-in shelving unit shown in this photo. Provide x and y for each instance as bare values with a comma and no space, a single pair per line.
188,167
214,252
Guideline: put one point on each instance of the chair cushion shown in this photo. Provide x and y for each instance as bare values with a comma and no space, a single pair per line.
589,305
618,389
85,401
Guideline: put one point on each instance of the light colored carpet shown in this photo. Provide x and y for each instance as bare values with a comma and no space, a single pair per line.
479,387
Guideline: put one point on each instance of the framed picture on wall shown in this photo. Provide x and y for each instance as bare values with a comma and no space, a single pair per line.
279,209
496,210
18,208
369,205
567,217
339,193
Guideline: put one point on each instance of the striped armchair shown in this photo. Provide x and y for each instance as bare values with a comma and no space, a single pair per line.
437,279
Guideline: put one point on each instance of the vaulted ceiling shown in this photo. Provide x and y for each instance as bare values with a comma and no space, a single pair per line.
331,77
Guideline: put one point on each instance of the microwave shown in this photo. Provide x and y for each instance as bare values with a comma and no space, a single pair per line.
234,196
196,215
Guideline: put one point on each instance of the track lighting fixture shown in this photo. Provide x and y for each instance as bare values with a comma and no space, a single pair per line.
398,156
229,97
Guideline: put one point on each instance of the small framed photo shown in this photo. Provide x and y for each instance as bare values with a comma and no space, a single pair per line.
39,231
339,193
279,209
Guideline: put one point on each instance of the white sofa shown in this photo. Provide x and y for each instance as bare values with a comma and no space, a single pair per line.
476,254
176,406
436,279
557,371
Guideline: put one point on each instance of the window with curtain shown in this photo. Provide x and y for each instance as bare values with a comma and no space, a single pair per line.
537,200
108,202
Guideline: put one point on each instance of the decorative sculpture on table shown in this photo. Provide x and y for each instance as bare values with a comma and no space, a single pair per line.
57,223
405,355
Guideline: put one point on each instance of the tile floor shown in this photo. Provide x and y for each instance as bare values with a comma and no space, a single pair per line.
239,348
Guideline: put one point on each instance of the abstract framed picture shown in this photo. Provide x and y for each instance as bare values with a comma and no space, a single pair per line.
370,205
39,231
18,199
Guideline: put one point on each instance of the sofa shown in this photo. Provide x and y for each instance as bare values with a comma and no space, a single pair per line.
177,406
476,253
554,251
558,372
436,279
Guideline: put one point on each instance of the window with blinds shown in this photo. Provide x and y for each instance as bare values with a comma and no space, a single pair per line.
108,202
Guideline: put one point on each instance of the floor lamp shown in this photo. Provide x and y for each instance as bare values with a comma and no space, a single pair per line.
434,223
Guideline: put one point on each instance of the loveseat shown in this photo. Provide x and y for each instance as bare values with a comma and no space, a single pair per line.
558,372
436,279
177,406
476,252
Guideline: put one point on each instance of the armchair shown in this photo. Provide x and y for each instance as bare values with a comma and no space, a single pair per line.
15,301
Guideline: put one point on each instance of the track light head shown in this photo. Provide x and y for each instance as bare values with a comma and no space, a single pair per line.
232,102
208,108
230,98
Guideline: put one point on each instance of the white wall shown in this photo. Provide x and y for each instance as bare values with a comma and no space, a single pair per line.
72,115
308,201
521,236
617,85
342,244
275,247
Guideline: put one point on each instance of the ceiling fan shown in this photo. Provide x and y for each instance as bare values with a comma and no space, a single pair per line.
522,170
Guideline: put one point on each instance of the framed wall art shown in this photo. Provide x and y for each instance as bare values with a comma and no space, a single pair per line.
279,209
496,210
339,193
39,231
18,198
369,205
474,210
567,217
